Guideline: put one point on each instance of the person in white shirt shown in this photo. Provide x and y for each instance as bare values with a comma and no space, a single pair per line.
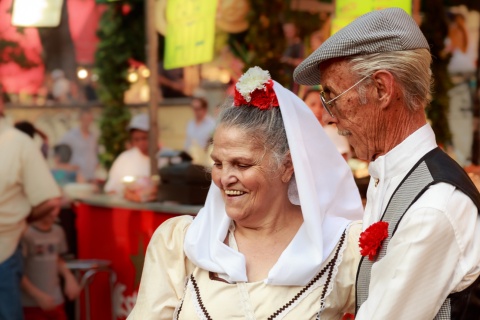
200,129
421,224
133,162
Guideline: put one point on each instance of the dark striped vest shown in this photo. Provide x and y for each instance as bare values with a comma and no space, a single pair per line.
434,167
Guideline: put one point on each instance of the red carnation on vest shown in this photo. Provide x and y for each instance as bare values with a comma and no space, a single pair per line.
371,239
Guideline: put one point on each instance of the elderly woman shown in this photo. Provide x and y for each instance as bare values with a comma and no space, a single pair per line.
276,238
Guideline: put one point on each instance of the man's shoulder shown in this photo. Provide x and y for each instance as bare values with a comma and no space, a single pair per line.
127,155
15,138
440,196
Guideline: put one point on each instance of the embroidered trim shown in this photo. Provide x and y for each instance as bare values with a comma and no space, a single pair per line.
314,283
178,309
331,268
197,299
338,258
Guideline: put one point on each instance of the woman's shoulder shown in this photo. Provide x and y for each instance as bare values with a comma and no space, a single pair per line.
352,236
172,231
353,230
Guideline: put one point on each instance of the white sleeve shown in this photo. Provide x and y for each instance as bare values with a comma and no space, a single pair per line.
164,272
429,255
114,182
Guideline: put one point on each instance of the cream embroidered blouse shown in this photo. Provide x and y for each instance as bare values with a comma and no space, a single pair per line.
173,288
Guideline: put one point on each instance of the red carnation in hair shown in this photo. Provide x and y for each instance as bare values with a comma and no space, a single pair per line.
239,100
371,239
262,99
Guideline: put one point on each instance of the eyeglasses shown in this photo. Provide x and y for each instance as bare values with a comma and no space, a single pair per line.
326,104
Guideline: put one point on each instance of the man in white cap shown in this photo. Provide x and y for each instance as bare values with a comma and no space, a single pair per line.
421,224
133,162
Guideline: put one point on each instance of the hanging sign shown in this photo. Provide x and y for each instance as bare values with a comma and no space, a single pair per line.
37,13
190,32
348,10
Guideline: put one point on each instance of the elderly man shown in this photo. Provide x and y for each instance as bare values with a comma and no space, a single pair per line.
375,74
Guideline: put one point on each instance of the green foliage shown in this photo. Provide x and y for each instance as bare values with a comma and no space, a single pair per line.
264,40
122,37
263,44
10,51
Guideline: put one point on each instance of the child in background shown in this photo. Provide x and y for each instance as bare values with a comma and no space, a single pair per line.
43,242
63,171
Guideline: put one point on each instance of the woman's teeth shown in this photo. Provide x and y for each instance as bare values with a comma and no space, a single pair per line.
234,192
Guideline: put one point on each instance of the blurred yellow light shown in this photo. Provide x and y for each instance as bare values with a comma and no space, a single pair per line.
132,77
82,74
128,179
145,73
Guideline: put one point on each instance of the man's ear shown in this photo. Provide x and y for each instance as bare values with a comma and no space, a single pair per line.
384,83
287,169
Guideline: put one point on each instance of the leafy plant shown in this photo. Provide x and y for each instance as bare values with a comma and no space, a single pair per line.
121,34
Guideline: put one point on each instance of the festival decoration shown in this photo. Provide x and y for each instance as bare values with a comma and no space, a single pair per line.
255,88
371,239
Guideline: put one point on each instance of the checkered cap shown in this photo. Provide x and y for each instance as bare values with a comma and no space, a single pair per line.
384,30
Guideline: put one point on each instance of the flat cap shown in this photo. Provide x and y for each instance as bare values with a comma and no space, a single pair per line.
384,30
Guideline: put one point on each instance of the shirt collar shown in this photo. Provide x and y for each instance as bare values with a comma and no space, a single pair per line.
405,155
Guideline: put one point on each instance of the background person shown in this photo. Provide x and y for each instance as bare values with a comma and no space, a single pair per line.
84,145
376,77
28,128
200,128
276,235
133,162
27,189
43,243
64,172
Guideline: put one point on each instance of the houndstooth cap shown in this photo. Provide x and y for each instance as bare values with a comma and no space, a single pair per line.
384,30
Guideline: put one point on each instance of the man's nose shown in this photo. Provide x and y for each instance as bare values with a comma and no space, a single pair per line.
327,118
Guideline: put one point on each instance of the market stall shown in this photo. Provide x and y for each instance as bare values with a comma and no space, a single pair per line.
114,229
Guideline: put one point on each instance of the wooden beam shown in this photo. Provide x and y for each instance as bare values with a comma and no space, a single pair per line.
152,54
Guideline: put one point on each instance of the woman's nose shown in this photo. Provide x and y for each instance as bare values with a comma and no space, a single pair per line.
228,178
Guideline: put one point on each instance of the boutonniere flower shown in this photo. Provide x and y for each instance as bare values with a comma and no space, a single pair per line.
348,316
371,239
255,88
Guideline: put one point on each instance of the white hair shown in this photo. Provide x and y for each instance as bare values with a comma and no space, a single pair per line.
410,68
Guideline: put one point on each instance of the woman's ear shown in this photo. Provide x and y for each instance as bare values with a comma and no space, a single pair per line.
287,169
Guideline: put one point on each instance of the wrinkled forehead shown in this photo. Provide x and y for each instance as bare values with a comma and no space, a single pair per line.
332,66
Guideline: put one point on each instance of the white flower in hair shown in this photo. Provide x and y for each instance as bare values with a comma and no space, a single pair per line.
254,78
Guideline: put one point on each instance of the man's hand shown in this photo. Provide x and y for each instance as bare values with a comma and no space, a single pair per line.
50,206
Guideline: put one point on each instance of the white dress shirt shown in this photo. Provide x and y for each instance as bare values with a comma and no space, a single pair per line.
435,249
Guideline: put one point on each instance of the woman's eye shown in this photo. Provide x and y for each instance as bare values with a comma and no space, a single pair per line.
243,166
217,165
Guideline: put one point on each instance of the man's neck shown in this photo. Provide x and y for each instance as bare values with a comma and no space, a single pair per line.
400,128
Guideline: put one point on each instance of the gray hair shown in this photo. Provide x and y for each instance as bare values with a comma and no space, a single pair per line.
411,68
264,126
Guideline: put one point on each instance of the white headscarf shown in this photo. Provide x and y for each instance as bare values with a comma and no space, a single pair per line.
327,193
